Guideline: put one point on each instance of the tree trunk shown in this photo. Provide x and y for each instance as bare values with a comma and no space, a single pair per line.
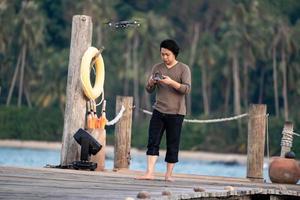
194,43
246,81
227,96
136,76
208,86
27,96
99,34
236,83
261,86
275,82
81,38
149,55
204,89
145,103
146,99
13,82
21,84
284,84
127,68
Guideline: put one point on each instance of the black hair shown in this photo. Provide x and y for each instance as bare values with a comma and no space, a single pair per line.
170,45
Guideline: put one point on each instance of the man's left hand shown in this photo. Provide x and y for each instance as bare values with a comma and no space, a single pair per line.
168,81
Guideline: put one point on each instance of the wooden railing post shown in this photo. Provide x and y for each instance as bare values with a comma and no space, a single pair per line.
123,133
256,142
287,138
75,109
100,135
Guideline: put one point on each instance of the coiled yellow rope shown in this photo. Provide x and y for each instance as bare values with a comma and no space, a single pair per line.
85,68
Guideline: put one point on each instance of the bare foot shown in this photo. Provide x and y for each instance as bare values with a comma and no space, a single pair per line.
169,179
145,177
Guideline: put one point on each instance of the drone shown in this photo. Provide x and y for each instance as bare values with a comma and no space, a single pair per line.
124,24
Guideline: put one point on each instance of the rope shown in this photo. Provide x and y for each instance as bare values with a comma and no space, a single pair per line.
297,134
207,120
102,99
268,145
94,70
216,120
287,138
288,132
117,118
96,55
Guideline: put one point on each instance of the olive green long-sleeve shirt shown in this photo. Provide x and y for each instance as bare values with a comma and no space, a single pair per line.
168,99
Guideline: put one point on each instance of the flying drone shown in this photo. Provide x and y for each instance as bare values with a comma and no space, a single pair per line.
124,24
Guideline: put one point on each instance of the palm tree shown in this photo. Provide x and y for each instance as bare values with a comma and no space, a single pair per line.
275,76
245,40
29,26
210,53
4,11
231,39
50,89
286,46
192,58
7,12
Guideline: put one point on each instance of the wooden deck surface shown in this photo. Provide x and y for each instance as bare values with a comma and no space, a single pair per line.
47,183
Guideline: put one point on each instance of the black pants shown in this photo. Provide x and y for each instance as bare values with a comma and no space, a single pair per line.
160,122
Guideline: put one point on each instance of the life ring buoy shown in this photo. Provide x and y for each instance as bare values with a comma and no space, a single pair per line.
85,68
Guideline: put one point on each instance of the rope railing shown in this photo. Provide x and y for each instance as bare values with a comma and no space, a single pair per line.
206,120
117,118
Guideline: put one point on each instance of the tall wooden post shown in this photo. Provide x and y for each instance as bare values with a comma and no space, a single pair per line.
256,142
75,110
287,138
123,133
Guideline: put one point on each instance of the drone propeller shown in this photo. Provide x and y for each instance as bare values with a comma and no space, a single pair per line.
109,23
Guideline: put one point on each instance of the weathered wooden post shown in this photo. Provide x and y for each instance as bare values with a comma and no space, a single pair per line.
100,135
287,138
123,133
75,110
256,142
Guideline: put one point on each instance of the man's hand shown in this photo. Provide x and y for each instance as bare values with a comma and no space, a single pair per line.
168,81
151,81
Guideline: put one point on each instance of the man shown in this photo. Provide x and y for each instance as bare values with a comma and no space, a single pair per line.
171,80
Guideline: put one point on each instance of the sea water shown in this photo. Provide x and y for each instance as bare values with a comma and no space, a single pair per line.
25,157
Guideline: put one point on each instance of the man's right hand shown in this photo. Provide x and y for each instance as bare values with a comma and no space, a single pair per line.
151,81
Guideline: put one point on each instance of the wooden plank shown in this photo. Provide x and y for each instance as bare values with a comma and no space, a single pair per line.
25,183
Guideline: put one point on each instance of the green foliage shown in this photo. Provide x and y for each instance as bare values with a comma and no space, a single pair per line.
217,137
30,123
140,133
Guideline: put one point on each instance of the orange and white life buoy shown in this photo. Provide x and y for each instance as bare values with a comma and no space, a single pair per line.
85,69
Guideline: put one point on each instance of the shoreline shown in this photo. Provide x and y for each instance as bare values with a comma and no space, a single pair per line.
230,159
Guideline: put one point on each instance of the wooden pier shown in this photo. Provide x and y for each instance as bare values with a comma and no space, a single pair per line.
49,183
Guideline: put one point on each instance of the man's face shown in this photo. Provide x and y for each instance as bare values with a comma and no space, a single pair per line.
167,56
